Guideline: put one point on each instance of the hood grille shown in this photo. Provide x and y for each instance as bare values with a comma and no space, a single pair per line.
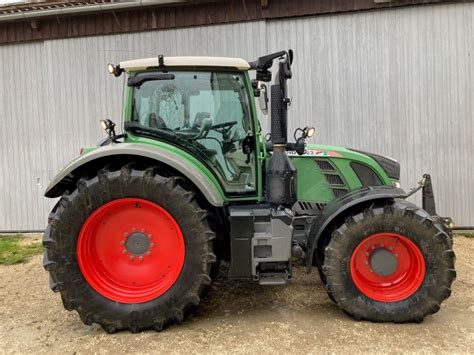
325,165
334,179
306,207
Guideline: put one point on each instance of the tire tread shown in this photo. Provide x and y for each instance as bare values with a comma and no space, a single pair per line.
429,296
57,243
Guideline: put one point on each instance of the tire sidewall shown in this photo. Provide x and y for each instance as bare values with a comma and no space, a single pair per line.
394,220
96,192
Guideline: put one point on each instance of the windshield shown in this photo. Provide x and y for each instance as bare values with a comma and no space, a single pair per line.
207,113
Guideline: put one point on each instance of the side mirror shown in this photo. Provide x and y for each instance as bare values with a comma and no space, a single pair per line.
263,98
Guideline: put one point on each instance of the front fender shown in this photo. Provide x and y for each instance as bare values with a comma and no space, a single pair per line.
191,168
338,206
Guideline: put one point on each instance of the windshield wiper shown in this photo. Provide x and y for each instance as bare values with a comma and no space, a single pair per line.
155,131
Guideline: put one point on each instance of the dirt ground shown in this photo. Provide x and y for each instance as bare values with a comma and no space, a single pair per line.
236,317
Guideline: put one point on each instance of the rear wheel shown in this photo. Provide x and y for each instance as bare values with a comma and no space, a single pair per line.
389,264
129,249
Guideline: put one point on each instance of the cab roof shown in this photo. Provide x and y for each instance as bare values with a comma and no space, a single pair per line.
142,64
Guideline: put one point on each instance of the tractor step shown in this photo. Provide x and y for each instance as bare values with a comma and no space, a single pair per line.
273,278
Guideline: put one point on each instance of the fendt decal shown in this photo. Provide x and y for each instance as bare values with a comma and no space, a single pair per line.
317,153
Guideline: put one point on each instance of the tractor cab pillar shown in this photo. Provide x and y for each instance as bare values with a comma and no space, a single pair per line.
261,236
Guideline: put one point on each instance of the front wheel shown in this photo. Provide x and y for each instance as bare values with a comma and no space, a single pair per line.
129,249
389,264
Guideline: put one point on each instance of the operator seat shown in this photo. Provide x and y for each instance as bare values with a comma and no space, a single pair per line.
203,123
156,121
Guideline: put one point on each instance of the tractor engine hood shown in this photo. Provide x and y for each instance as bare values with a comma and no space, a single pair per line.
390,166
327,172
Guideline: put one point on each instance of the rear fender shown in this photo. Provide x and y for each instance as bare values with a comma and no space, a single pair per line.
339,207
194,171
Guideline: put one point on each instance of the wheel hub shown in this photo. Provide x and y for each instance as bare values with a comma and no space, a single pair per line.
137,244
383,262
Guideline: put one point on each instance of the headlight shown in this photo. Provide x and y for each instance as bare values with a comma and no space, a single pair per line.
114,69
108,126
308,132
111,68
104,124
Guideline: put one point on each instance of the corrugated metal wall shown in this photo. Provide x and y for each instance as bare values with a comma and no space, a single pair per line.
400,83
396,82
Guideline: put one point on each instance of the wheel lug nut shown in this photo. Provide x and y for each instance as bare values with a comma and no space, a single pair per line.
122,242
125,234
148,252
152,245
134,229
382,245
366,254
140,258
132,257
124,251
149,236
391,248
366,262
143,230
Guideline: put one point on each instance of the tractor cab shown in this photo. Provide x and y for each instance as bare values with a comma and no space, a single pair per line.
206,111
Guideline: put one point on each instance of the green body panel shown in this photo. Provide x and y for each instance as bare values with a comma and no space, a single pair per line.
311,182
172,150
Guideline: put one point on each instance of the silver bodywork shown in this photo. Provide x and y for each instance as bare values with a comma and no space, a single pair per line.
165,157
188,61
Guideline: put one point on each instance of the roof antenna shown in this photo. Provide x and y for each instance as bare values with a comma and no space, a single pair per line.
161,60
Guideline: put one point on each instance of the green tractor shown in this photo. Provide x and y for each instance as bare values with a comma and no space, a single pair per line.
146,217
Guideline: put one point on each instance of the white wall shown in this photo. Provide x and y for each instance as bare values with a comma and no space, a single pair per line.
396,82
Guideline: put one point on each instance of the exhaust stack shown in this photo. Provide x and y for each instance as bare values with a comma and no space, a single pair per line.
281,175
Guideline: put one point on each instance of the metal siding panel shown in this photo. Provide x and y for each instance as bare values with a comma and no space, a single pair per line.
23,138
53,107
397,82
5,204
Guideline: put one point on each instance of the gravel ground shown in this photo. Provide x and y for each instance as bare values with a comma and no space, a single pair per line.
236,317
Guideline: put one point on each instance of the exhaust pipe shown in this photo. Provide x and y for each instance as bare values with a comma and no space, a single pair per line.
281,175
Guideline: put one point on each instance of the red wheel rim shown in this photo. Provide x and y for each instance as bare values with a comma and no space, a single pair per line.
130,250
387,267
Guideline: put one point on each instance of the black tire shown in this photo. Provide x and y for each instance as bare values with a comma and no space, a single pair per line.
417,225
69,215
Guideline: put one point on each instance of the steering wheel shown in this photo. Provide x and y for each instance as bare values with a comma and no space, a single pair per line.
198,131
227,125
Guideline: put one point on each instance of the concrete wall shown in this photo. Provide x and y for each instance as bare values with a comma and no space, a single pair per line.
398,83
